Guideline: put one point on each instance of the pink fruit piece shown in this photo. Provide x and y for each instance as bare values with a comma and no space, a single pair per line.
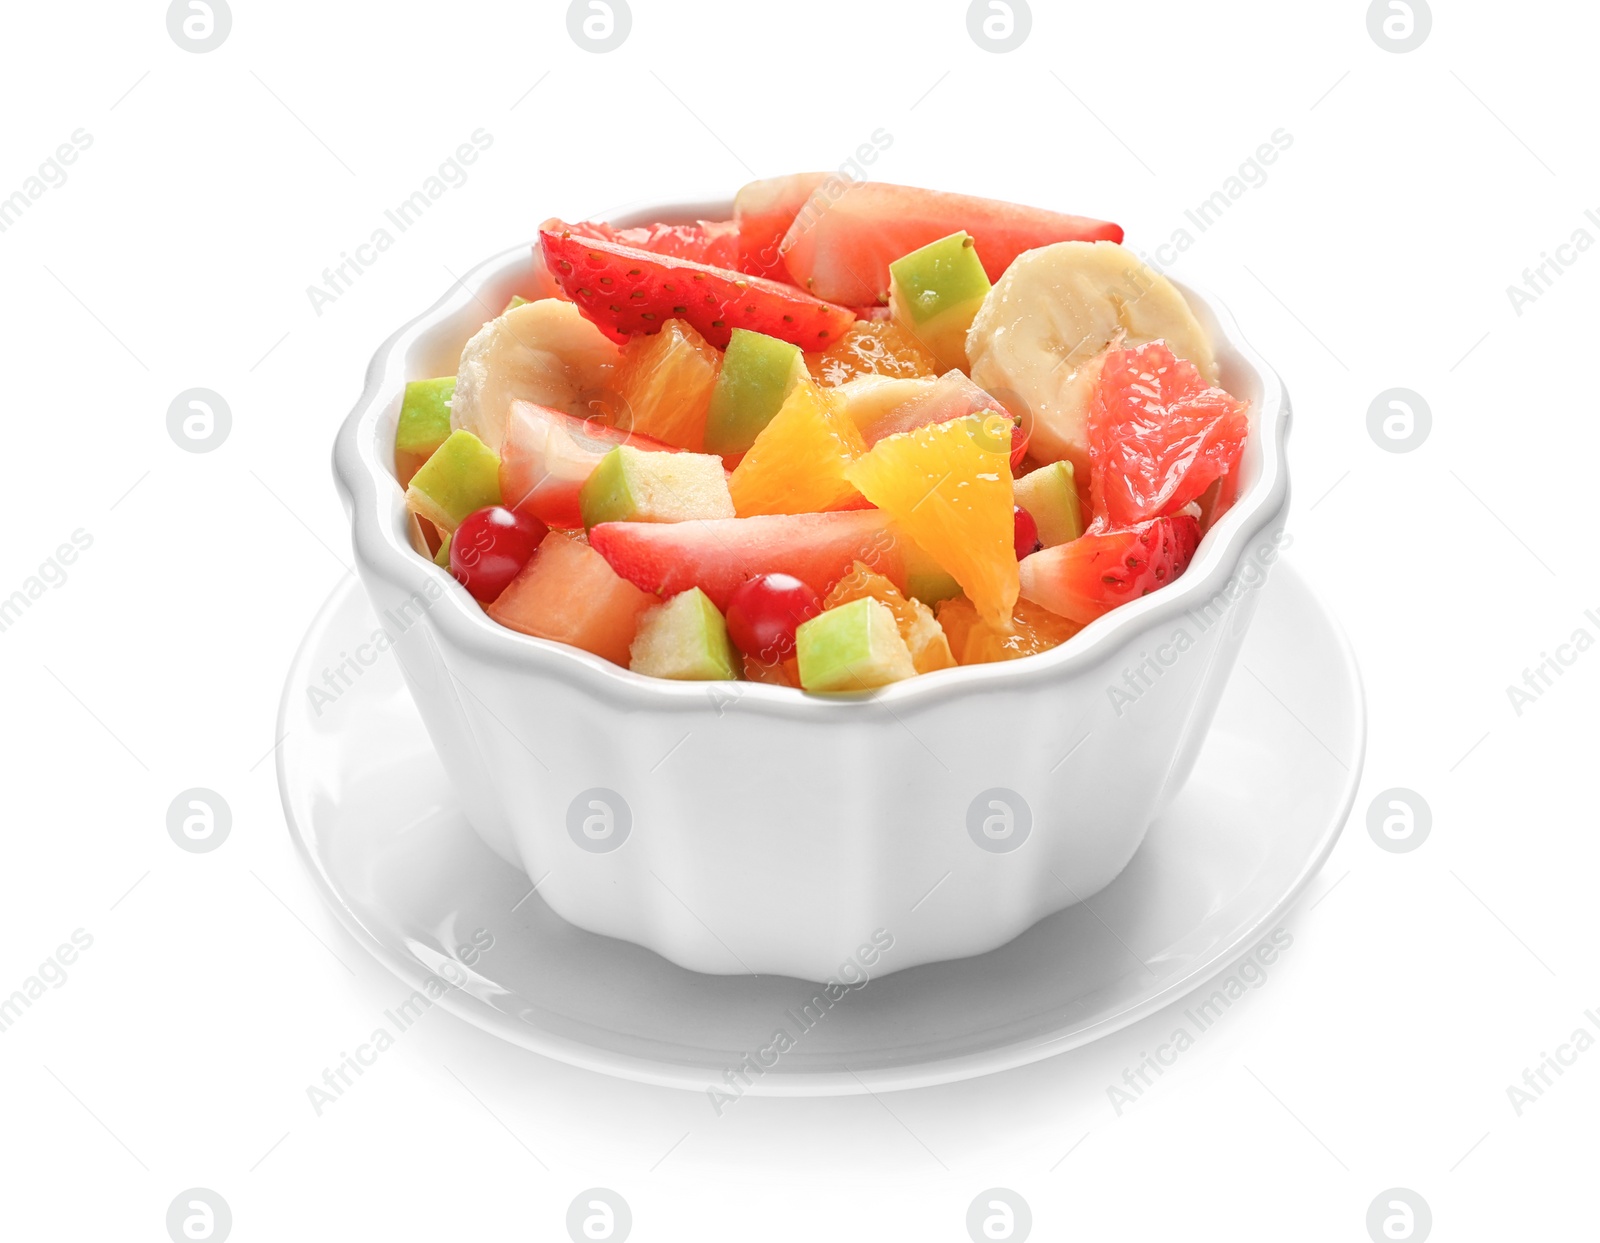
718,554
548,455
715,242
762,214
630,292
844,238
568,593
1159,435
1092,575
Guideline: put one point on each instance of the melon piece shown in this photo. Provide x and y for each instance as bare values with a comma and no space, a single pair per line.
762,214
718,554
854,647
1050,494
840,247
548,456
684,639
797,463
463,475
664,384
757,374
568,593
424,424
633,485
935,292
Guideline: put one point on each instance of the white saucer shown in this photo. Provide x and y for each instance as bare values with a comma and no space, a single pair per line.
372,813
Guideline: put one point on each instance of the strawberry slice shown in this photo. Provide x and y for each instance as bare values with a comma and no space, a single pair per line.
1089,576
705,241
717,554
1159,435
631,292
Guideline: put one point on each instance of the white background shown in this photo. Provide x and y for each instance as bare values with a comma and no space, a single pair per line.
1377,254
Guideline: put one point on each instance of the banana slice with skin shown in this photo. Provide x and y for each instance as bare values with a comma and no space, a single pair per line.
1040,338
544,352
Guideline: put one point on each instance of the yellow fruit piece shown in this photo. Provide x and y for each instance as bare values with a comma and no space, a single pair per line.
797,463
872,347
1033,630
949,486
662,387
930,649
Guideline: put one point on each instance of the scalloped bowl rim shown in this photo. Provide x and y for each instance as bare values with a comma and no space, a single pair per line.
376,503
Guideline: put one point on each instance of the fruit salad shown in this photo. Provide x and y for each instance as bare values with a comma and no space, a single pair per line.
851,436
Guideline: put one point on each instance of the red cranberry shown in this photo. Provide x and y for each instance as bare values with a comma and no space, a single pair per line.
490,547
764,612
1024,532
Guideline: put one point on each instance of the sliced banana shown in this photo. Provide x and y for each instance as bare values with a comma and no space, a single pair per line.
1041,336
544,352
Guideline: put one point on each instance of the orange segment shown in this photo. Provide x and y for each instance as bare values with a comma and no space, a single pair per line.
872,347
930,649
662,387
780,673
797,463
1033,630
949,486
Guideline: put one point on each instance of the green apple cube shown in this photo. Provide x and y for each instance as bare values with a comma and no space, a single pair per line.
442,557
1050,494
685,639
424,418
935,292
461,477
516,301
634,485
853,647
926,579
757,373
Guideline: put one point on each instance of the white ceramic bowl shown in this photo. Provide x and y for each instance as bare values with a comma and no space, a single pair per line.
739,827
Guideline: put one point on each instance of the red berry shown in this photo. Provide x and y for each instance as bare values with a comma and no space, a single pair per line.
490,547
764,612
1025,532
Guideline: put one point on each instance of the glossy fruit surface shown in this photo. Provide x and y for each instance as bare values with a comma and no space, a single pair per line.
797,463
1026,532
842,250
568,593
762,213
764,612
873,347
491,546
547,456
1092,575
719,554
715,242
1159,435
1033,629
630,292
663,385
948,485
922,634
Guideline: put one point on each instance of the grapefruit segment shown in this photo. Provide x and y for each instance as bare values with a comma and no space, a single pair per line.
840,248
1159,435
